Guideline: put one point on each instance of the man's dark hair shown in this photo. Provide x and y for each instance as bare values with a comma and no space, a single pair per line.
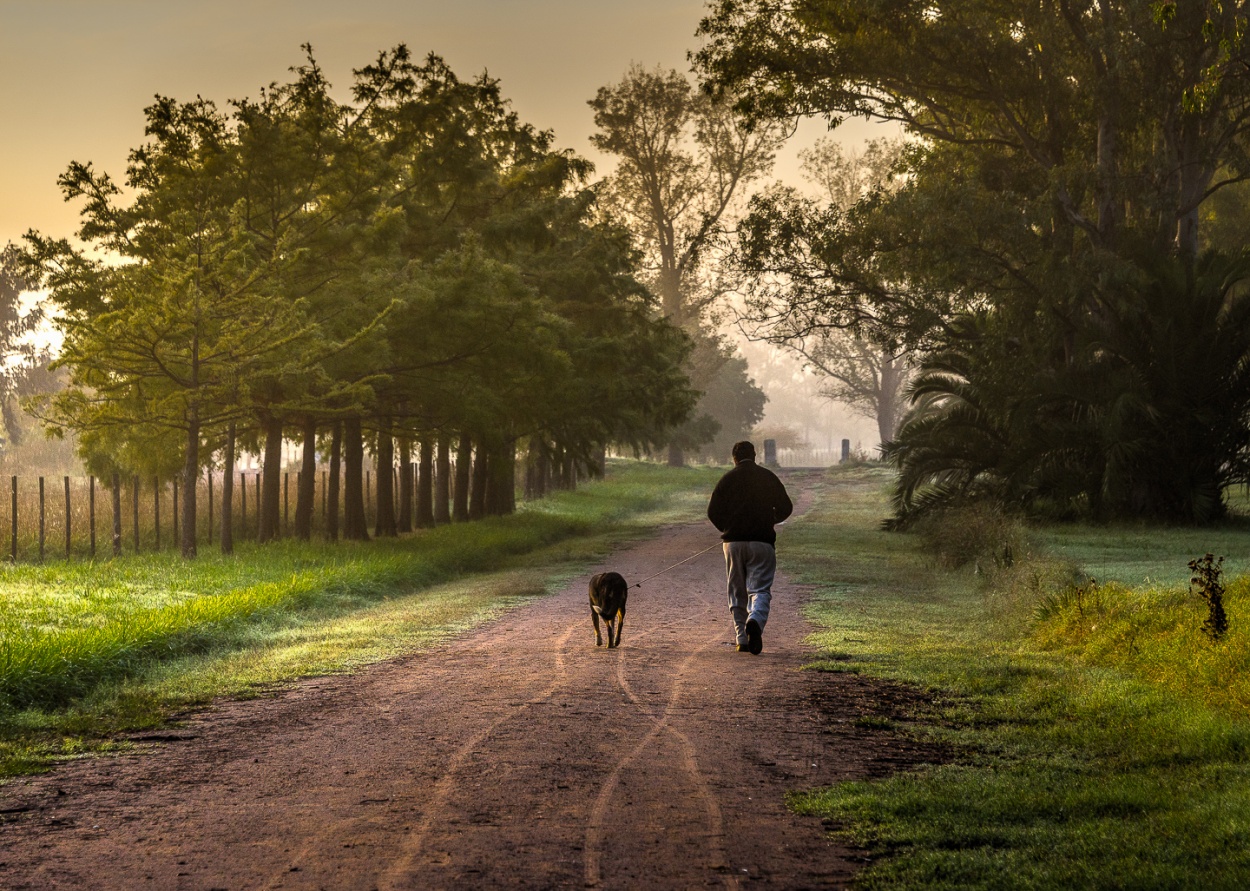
743,451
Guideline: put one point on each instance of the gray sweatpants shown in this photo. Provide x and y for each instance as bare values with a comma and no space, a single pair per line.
750,567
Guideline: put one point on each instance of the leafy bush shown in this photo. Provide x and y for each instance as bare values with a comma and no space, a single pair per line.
1142,409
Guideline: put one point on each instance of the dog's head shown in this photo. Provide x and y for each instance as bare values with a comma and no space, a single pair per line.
608,590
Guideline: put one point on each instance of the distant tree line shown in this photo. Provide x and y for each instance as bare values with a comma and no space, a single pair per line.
414,273
1060,246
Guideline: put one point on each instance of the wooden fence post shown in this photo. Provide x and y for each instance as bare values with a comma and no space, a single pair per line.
41,519
67,516
91,512
13,549
117,515
243,512
286,502
210,505
136,511
259,509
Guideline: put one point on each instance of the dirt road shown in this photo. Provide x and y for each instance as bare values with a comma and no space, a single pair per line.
516,756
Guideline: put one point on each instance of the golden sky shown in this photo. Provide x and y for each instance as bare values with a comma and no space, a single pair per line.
75,75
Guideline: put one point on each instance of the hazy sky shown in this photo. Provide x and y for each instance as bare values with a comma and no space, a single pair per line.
75,75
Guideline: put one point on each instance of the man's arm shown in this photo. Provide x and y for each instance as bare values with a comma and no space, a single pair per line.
782,505
717,509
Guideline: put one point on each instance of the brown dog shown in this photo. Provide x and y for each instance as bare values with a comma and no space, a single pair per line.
608,593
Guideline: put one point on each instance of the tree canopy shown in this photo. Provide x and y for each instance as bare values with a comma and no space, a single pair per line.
415,264
1050,215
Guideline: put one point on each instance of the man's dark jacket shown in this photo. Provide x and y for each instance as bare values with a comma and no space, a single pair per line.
746,503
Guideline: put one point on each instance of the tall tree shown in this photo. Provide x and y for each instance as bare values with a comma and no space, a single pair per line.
684,163
159,343
1062,156
870,378
859,356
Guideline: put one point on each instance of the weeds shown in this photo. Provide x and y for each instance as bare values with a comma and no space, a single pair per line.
1083,597
1207,582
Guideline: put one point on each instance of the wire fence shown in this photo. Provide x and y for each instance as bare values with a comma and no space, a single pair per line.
77,517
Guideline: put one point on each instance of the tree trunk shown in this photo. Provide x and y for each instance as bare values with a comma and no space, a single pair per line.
481,473
676,456
384,524
405,485
442,481
227,494
190,472
271,493
501,483
332,487
464,463
425,485
555,470
354,525
890,399
307,482
535,474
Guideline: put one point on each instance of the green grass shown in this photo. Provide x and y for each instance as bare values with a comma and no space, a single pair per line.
1073,765
91,651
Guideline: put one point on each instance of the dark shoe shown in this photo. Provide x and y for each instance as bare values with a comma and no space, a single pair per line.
755,637
743,648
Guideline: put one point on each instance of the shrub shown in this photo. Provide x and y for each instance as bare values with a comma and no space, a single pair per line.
976,532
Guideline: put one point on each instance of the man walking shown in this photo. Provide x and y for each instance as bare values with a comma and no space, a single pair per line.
745,505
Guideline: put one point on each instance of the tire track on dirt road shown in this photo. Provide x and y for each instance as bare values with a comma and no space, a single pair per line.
593,853
402,869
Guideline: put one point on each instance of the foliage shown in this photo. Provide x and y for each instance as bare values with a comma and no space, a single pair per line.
1045,218
23,363
1146,417
729,405
416,262
973,533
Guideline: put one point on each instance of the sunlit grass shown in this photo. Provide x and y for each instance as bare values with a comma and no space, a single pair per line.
1084,757
88,650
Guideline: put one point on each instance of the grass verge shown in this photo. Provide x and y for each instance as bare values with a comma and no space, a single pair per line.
1082,762
89,652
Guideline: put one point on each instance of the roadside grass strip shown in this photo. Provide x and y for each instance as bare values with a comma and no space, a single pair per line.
89,651
1097,742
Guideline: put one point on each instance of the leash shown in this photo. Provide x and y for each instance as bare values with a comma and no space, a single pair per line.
675,565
